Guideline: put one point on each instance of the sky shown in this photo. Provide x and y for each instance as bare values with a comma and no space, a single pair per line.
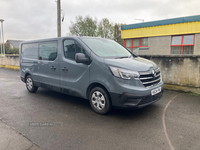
37,19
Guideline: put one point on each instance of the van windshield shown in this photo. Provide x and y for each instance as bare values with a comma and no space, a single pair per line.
106,48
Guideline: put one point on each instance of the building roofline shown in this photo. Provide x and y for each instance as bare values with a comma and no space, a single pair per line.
162,22
14,40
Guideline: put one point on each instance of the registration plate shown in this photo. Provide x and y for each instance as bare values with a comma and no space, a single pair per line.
156,91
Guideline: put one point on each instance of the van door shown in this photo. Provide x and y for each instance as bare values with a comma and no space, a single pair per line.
48,65
74,76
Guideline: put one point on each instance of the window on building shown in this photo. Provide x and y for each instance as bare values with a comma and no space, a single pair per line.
182,44
134,44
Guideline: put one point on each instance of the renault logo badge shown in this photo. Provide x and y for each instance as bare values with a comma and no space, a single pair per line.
153,73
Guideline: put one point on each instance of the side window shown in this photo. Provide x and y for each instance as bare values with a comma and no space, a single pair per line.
71,48
79,49
48,50
30,51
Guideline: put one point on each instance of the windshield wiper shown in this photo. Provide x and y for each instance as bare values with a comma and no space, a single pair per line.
123,57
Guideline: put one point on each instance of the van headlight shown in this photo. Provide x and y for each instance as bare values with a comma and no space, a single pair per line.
124,74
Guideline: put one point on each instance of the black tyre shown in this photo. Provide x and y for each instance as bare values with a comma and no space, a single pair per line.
100,101
30,85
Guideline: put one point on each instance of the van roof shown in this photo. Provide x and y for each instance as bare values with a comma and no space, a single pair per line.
48,39
56,38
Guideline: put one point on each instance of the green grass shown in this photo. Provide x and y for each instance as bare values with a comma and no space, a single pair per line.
194,94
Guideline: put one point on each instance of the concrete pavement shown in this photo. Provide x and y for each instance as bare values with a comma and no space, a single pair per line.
12,140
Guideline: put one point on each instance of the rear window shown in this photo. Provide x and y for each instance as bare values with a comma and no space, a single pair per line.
30,50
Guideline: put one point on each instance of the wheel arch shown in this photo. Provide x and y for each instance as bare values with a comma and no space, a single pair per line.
27,75
95,84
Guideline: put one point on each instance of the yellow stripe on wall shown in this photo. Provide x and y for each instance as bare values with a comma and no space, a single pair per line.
10,67
171,29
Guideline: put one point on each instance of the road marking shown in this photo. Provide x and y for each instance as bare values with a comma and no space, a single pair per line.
164,123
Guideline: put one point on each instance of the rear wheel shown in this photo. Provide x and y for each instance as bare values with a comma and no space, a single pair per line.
100,101
30,85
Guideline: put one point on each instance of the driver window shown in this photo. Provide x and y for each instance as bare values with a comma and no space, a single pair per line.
71,48
79,49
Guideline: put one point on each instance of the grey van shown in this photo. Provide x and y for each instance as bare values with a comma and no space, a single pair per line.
97,69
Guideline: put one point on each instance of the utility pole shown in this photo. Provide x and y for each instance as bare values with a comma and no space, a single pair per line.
58,19
2,38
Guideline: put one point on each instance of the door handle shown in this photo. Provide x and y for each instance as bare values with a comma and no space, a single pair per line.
53,68
64,69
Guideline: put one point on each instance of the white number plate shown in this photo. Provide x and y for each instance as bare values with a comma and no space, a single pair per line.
156,91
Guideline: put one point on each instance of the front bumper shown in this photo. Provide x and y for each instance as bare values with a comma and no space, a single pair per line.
129,100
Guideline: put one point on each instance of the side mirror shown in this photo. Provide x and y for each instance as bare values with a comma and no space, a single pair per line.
81,58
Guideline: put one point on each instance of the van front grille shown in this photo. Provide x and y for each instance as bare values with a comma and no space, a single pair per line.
150,78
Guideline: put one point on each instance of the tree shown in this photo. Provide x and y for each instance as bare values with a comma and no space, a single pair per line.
105,29
84,26
117,33
7,46
91,27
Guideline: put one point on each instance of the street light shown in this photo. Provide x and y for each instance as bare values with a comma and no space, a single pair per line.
2,38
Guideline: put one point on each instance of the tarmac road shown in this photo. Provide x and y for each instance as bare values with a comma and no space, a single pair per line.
53,120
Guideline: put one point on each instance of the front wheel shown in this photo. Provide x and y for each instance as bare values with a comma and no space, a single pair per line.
30,85
100,101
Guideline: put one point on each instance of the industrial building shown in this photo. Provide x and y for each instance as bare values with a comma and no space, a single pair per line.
164,37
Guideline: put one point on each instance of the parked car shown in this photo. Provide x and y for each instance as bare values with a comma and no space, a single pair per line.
97,69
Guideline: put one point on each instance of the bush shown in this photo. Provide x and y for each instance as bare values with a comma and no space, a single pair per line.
12,50
9,50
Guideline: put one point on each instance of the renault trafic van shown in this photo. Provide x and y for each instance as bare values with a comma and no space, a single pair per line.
97,69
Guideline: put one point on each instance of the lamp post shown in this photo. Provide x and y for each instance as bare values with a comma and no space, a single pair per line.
2,38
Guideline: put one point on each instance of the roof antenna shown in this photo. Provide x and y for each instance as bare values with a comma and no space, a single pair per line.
77,32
